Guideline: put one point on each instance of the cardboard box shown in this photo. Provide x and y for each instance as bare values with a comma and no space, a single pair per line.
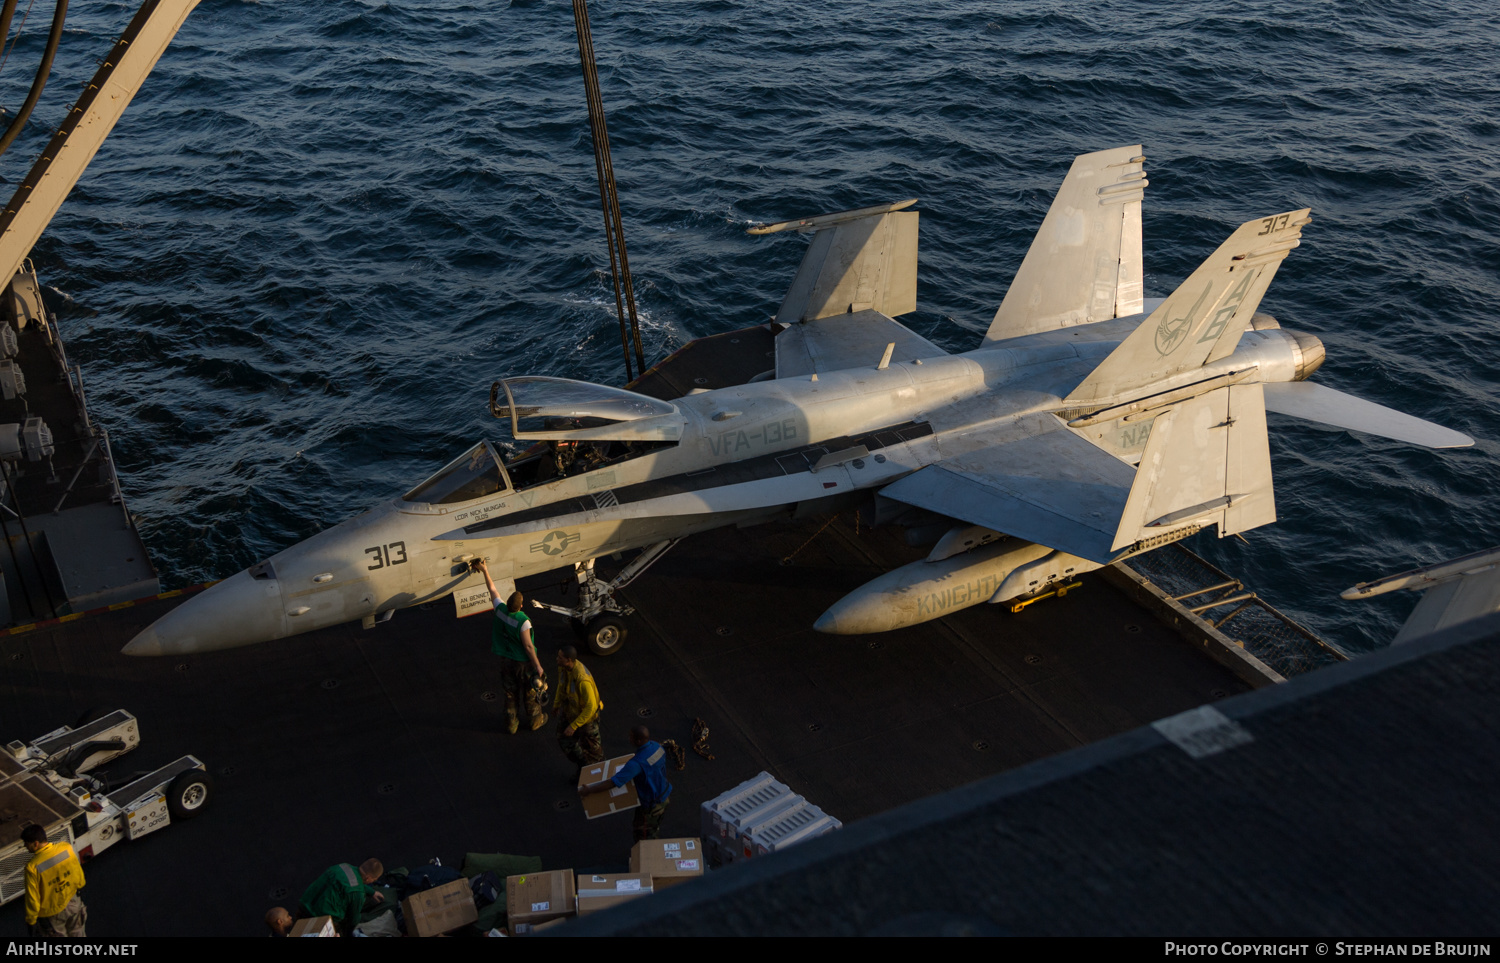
668,861
315,926
597,893
616,800
439,910
532,929
539,897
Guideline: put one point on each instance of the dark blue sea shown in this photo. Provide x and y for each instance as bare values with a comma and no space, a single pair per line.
323,228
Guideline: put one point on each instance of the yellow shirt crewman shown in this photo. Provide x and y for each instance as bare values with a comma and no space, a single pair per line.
53,878
577,707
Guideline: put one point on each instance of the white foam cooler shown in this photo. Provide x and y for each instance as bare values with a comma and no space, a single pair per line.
760,815
720,816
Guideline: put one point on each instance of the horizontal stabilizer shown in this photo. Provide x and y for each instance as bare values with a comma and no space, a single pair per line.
1055,489
1085,262
1314,402
856,262
1203,319
847,341
1206,462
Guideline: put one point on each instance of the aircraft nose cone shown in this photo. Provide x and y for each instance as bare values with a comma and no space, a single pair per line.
238,611
145,643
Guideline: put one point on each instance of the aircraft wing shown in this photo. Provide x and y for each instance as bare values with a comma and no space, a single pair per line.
1055,489
847,341
1455,591
1460,599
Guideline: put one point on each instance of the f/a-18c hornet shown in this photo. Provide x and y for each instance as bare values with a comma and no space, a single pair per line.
1090,425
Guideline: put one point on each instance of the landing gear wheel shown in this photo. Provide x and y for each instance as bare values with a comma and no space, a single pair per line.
188,793
579,627
605,635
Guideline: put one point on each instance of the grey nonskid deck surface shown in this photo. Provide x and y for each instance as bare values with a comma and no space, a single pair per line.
346,743
1361,807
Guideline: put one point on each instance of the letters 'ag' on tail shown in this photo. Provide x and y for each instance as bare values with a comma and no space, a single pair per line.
1085,262
1203,319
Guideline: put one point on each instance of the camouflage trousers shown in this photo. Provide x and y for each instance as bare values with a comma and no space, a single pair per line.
583,746
516,678
67,923
648,820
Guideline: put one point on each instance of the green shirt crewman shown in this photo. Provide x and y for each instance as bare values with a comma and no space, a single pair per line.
521,675
341,892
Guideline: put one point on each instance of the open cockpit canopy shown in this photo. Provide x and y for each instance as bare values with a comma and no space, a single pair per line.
474,474
560,409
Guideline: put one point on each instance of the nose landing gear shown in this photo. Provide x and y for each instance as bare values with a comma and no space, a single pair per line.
599,617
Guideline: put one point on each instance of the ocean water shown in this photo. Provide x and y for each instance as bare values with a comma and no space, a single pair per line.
322,229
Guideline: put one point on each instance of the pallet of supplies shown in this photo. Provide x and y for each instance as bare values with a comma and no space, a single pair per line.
617,800
539,897
439,910
601,891
667,861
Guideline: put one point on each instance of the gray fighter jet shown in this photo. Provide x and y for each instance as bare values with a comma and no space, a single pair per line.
1453,592
1090,425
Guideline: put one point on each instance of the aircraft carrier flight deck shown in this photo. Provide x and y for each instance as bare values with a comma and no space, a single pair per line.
389,742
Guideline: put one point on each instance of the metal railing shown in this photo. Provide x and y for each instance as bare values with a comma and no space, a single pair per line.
1226,604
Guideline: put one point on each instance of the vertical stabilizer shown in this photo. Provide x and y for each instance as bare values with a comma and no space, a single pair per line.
1085,263
1203,319
864,260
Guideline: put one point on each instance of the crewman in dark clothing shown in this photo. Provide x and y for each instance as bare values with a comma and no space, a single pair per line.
511,638
279,922
341,892
649,770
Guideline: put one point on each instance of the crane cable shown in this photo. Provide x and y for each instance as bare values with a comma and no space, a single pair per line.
614,231
59,14
5,16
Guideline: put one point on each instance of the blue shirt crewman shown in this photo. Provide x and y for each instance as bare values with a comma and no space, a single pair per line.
648,768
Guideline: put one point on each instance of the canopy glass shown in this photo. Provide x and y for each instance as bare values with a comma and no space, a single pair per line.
563,409
474,474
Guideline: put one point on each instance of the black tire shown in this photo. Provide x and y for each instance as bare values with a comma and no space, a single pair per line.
579,627
606,634
188,793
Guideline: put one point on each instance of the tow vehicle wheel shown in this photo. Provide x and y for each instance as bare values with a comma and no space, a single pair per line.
605,635
188,793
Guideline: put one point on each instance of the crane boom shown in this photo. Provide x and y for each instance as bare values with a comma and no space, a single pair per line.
88,123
